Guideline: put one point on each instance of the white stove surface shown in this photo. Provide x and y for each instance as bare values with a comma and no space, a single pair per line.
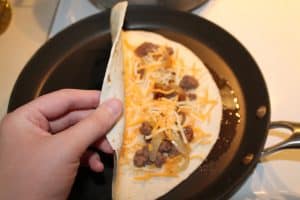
270,30
69,12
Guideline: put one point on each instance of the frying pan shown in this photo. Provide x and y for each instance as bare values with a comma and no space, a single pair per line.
77,57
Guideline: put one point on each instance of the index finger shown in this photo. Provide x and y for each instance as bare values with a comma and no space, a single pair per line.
60,102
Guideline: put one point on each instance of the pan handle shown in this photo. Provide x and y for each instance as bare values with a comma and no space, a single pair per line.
290,143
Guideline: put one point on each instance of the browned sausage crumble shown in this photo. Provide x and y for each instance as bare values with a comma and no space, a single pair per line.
181,96
141,72
192,96
141,157
160,160
146,128
145,48
188,82
165,146
170,50
189,134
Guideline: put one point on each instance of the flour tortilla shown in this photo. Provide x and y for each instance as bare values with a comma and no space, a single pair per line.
125,186
112,86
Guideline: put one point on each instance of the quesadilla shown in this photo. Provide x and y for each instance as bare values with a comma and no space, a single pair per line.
172,112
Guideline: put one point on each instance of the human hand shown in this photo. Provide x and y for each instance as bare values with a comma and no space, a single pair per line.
42,143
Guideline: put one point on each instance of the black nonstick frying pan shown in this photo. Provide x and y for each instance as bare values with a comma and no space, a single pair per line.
77,57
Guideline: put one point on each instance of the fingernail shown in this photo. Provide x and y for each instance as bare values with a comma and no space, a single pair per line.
114,106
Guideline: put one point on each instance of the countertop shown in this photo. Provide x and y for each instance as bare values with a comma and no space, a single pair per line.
27,31
269,29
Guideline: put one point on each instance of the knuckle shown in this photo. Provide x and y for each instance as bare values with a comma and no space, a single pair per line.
68,95
66,91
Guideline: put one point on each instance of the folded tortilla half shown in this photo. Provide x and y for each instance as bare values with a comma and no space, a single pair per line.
173,113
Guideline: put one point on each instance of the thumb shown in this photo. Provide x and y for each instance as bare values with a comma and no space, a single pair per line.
95,126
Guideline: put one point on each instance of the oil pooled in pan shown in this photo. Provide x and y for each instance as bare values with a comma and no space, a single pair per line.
229,123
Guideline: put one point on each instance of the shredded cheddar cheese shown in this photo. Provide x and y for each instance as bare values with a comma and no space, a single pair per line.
140,76
148,176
